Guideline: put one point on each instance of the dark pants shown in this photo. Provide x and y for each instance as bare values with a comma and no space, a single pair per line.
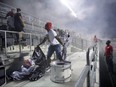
109,63
18,28
51,49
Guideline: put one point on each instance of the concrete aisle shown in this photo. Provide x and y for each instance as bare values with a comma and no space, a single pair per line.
78,61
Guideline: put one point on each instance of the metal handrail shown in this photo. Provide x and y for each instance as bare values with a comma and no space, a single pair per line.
36,24
89,69
82,77
13,32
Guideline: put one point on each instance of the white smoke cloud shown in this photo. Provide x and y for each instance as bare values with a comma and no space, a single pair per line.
92,15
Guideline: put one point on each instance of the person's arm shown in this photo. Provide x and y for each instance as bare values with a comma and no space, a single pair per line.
20,16
59,40
22,20
43,41
7,15
32,63
111,50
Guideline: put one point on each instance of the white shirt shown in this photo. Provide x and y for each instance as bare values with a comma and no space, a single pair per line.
51,35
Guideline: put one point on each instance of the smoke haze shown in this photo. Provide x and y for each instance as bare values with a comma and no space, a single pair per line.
94,17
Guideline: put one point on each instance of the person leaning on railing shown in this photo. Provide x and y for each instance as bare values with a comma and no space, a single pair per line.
10,20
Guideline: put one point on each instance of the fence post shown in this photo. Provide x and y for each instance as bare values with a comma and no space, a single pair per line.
82,44
19,46
5,44
88,64
95,60
30,42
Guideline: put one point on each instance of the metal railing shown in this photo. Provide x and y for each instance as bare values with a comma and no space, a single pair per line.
89,70
36,26
34,22
30,38
10,37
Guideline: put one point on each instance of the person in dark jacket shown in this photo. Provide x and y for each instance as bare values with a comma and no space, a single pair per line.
19,24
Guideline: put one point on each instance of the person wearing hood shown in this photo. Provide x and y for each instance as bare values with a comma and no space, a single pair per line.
55,43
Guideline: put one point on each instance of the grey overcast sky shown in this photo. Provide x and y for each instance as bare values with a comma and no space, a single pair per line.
91,17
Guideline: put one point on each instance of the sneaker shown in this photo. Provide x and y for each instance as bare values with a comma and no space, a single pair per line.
48,69
67,61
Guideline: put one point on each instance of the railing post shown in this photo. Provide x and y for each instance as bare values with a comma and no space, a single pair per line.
82,44
95,61
20,46
32,26
5,44
30,42
88,64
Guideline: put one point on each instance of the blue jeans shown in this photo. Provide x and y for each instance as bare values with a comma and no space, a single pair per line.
57,49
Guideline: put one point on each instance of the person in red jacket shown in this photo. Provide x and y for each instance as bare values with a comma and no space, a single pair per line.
109,55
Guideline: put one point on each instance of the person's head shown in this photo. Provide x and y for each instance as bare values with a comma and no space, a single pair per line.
48,26
68,35
108,42
18,10
26,61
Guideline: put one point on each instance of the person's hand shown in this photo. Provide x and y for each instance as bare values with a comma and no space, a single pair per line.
23,24
63,44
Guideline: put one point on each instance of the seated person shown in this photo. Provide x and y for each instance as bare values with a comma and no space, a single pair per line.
26,69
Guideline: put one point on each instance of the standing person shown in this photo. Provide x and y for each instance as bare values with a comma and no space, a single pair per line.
109,55
19,24
10,19
55,42
95,39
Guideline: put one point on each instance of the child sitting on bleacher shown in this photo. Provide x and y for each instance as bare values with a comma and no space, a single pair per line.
26,69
